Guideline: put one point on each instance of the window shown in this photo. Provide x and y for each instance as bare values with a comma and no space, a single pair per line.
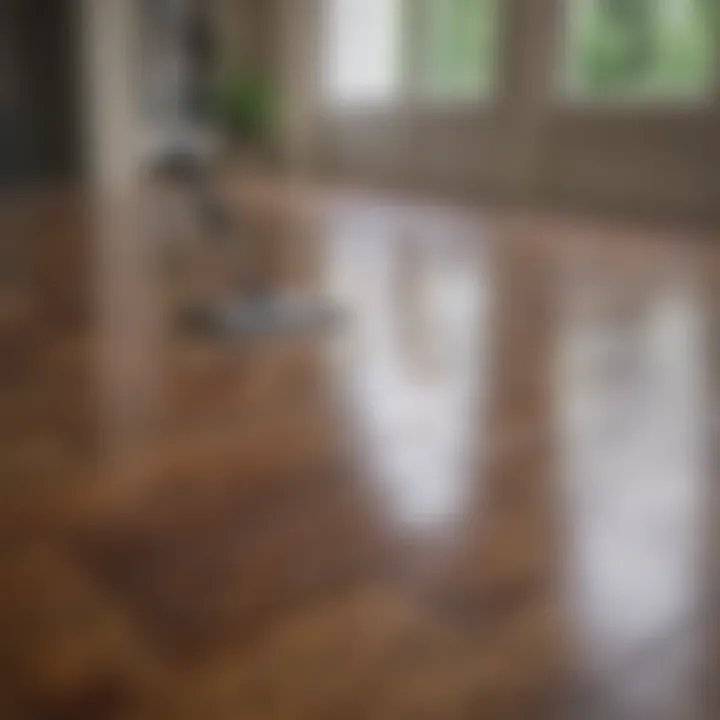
634,49
451,46
458,55
363,47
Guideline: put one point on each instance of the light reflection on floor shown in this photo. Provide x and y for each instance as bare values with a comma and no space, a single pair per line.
636,475
414,362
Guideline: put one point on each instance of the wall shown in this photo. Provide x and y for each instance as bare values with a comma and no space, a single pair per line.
244,29
524,147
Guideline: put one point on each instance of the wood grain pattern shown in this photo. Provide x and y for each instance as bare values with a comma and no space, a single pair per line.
486,495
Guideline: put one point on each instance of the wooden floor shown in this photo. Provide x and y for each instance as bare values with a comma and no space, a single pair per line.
489,492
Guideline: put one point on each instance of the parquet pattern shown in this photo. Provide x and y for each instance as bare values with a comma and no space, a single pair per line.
487,495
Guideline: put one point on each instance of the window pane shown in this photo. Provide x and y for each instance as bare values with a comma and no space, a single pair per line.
362,50
459,50
635,48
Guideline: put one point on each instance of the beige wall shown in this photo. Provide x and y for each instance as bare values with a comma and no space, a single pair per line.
245,29
525,146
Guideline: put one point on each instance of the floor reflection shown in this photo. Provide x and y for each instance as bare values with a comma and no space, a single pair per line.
414,362
131,335
517,531
633,379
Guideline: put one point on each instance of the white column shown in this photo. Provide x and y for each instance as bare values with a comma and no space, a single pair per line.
112,131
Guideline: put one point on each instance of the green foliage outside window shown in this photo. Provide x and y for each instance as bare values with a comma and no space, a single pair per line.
459,49
641,47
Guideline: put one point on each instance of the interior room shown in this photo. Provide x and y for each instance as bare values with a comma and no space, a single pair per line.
359,359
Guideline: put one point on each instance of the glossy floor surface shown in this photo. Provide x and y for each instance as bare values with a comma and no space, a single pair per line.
488,492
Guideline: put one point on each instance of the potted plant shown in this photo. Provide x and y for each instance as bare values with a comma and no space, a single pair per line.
245,113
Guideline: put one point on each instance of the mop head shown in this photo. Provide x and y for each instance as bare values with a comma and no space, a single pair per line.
262,315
